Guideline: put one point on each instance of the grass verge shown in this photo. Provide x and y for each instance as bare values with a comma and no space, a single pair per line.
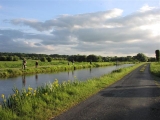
55,98
154,69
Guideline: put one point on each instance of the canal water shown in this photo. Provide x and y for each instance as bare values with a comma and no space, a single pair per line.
6,84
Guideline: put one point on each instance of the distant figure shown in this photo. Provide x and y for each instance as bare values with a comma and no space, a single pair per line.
36,64
24,64
90,61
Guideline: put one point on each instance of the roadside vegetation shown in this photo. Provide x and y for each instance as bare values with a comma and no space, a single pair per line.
52,99
155,68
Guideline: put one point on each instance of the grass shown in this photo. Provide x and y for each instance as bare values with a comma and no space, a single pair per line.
54,98
14,68
143,68
155,68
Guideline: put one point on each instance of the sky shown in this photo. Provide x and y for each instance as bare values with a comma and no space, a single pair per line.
71,27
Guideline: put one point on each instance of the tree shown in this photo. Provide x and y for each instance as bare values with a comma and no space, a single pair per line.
10,58
141,57
49,59
157,55
15,58
92,58
43,59
3,58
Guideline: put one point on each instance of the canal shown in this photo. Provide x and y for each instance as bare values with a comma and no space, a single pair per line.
7,84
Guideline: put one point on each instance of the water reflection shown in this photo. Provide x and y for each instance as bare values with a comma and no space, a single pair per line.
72,73
36,78
23,80
90,70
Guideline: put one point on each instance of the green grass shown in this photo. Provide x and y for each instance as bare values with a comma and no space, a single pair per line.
14,68
143,68
54,98
155,68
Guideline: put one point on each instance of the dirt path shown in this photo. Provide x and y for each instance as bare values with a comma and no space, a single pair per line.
135,97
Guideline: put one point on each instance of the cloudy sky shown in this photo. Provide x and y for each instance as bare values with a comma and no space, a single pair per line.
71,27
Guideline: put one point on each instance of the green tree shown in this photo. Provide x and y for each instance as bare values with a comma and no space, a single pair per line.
49,59
15,58
43,59
141,57
157,55
3,58
10,58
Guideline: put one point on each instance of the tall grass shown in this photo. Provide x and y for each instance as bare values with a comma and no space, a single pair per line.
46,67
155,68
51,99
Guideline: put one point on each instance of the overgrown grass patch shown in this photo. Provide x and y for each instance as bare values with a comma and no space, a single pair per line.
51,99
155,68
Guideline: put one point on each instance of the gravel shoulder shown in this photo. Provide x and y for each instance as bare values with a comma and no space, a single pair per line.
134,97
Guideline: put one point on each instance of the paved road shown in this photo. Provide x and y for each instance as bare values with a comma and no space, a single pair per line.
135,97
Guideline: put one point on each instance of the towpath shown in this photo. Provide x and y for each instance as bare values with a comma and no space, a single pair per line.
135,97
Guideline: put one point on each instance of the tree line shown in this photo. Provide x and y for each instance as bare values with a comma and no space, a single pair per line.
73,58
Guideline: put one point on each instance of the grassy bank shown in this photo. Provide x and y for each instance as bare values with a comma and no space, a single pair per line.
9,69
54,98
155,68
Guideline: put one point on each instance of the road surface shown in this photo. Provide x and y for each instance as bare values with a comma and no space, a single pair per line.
135,97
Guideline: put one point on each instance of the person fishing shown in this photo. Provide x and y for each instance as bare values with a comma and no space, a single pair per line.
24,64
36,64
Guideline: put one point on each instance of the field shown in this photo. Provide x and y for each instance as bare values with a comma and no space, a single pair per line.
14,68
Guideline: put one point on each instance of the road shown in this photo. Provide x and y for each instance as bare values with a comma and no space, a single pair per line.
135,97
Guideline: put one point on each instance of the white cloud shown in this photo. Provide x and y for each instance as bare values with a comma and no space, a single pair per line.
146,8
70,21
102,33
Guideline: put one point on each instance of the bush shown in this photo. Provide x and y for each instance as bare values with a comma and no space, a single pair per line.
43,59
49,59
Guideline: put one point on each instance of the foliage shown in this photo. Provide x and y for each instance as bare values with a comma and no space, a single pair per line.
43,59
76,58
49,59
154,68
157,54
141,57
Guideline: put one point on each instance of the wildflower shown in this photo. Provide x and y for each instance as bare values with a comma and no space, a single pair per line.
16,91
26,94
2,96
14,95
55,83
34,91
34,94
30,89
